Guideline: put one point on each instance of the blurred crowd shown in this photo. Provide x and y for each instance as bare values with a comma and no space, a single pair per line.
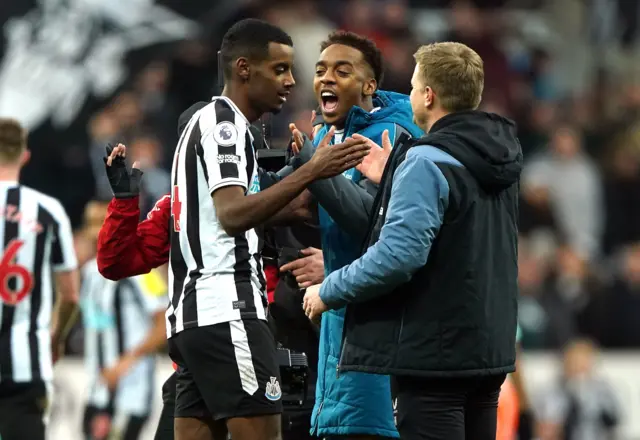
580,217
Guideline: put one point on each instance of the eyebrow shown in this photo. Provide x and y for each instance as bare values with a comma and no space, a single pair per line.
337,63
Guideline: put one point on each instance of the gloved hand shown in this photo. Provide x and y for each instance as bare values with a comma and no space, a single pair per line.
124,184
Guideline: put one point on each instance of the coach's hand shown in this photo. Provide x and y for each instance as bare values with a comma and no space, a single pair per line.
312,304
124,184
329,161
372,166
308,270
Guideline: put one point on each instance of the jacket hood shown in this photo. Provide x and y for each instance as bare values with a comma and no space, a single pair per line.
393,108
186,115
485,143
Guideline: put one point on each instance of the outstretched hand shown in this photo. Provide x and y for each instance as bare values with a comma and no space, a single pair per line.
329,161
124,184
298,139
372,165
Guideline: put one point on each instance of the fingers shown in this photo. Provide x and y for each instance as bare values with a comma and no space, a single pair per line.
305,285
326,140
294,265
119,151
386,142
136,165
310,251
360,138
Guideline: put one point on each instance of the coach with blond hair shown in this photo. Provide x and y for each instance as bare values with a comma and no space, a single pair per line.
432,300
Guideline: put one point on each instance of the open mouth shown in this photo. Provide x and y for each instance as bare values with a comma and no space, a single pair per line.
329,101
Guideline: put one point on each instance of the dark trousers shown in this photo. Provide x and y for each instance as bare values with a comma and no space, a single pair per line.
164,431
22,408
448,409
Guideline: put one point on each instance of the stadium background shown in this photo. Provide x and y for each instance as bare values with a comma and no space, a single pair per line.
79,73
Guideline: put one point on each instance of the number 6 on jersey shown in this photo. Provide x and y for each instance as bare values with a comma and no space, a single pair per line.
8,270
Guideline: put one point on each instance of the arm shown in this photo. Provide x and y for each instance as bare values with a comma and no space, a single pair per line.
67,282
126,247
152,292
419,199
228,180
348,203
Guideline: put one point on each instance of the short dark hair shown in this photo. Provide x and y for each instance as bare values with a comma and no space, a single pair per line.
369,50
250,38
13,139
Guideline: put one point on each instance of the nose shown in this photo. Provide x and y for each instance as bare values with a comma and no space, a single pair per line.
328,77
289,81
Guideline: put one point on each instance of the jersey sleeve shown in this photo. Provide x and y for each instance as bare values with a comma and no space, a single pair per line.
224,148
126,247
154,292
63,253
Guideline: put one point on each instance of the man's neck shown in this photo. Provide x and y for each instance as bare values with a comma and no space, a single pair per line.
9,173
241,100
435,117
366,105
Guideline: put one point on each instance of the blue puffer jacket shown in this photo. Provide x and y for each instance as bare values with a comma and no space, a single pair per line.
354,403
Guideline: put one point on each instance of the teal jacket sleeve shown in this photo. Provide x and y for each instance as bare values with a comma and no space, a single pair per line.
348,203
419,199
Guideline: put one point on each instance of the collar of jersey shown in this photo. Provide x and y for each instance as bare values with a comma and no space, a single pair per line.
232,104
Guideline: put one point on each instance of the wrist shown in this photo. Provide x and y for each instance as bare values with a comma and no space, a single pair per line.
307,173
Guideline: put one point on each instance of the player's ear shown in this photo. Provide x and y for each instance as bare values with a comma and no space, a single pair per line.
25,157
369,87
242,68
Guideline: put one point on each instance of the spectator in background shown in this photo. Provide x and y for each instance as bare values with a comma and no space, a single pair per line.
569,182
622,193
158,107
581,406
146,149
618,309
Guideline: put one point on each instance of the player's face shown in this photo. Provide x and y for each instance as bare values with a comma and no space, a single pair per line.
272,79
343,79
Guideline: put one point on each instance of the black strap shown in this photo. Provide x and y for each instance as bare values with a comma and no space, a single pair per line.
396,154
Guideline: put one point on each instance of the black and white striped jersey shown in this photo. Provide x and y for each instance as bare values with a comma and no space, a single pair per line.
213,277
117,316
36,241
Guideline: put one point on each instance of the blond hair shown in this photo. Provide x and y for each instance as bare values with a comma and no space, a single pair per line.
454,71
13,140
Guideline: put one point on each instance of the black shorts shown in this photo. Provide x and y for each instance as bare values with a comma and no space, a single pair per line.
22,410
226,370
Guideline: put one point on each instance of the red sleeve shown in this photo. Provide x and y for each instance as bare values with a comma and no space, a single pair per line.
126,247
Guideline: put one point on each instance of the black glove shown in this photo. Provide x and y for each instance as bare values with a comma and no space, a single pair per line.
526,425
123,184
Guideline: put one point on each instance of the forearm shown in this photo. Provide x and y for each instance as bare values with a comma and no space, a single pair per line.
348,204
128,248
244,213
154,340
65,316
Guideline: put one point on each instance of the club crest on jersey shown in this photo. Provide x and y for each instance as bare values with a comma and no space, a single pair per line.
273,391
225,133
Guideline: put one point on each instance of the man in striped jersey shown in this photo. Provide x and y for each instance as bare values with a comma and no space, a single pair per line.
228,376
37,251
124,326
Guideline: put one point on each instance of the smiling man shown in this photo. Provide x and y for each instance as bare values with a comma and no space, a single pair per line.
348,74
